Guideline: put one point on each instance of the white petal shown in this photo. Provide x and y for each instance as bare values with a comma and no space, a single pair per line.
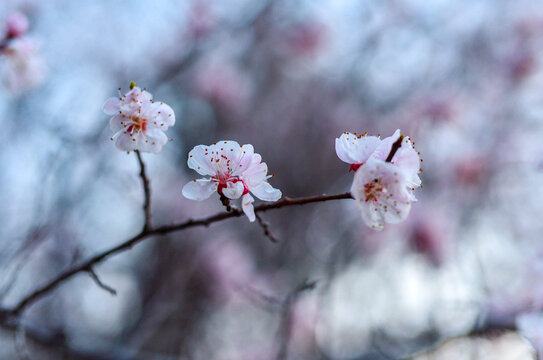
408,160
247,206
233,190
112,106
199,161
200,189
137,95
159,115
126,142
384,147
145,96
266,192
355,150
396,211
371,215
153,140
255,174
223,156
243,159
391,204
115,123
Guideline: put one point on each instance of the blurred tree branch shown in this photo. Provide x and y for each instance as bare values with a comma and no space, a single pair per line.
285,327
147,232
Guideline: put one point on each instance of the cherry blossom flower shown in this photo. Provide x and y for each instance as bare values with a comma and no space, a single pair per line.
138,122
380,189
386,174
235,171
25,67
357,149
406,157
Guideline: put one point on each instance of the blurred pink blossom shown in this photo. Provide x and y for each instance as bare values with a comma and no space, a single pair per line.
201,21
16,24
429,234
302,39
224,85
471,170
25,67
229,265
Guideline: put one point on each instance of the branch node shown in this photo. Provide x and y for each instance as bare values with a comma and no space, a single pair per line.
226,202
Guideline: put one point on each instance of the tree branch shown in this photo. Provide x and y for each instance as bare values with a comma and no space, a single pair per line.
266,227
285,327
146,191
146,233
397,144
99,282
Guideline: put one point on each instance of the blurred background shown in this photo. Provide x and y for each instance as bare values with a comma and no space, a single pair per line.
462,278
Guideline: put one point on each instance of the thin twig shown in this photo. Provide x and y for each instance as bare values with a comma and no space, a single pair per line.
285,327
146,191
162,230
266,227
20,343
99,282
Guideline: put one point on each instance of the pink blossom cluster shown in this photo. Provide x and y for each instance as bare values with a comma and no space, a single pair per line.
386,170
386,173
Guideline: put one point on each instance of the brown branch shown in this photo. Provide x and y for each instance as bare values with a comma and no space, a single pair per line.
266,227
146,191
226,202
146,233
397,144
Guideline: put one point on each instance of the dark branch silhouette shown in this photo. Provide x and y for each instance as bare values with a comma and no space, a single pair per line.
99,282
146,192
161,230
10,318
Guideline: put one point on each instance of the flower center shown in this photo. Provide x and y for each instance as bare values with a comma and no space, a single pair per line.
373,190
224,179
138,125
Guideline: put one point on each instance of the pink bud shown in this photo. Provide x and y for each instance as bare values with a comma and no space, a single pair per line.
16,24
